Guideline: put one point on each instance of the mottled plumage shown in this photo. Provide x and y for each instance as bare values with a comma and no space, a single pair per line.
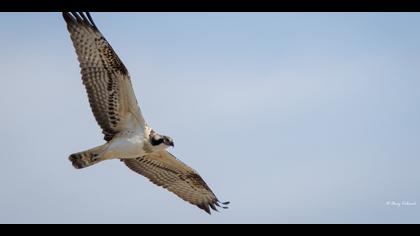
128,136
105,77
163,169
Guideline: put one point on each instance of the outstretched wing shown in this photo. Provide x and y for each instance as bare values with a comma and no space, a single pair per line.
105,77
163,169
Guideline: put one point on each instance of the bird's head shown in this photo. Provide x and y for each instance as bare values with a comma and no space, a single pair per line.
161,140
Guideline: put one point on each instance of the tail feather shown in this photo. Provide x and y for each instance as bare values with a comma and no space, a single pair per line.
86,158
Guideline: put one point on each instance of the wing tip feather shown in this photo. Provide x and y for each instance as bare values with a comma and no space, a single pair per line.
213,205
79,17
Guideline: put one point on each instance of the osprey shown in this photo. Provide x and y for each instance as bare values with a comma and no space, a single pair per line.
128,137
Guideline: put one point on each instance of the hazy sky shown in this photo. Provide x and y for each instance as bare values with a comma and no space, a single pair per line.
293,117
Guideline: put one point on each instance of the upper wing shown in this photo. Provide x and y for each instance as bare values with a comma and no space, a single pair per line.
105,77
163,169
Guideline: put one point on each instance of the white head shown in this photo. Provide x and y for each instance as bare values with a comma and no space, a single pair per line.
158,140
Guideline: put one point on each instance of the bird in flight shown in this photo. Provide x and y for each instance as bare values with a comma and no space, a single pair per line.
128,137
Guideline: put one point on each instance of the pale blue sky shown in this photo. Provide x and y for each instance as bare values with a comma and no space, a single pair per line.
293,117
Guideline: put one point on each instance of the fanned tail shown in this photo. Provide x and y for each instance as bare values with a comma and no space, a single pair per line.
86,158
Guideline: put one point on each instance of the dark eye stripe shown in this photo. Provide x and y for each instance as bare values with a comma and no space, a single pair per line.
155,142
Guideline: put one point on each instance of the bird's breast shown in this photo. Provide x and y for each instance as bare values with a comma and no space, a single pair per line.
135,139
128,146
